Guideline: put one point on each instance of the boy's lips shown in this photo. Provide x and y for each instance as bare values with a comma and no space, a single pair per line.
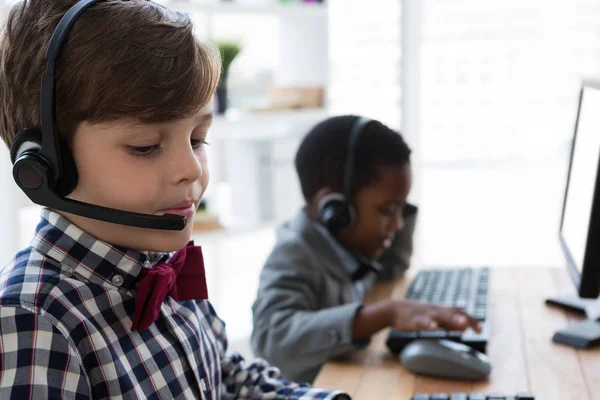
186,209
183,204
387,242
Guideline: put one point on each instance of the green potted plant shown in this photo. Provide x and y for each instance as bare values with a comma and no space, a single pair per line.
229,51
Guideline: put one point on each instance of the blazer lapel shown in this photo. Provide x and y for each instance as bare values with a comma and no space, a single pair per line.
330,261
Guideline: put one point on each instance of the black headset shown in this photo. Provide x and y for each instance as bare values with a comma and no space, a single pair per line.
43,165
336,211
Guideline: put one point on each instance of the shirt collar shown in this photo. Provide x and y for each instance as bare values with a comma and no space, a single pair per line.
93,259
350,261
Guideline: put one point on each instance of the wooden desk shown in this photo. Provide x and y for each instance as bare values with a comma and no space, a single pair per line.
524,358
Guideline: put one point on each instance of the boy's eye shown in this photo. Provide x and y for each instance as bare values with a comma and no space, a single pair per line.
143,150
389,211
198,142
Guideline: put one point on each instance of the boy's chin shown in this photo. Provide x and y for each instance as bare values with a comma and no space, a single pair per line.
375,253
166,241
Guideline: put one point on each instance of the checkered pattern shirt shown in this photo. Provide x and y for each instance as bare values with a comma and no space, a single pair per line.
66,308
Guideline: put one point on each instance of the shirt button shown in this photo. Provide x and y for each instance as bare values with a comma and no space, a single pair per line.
117,280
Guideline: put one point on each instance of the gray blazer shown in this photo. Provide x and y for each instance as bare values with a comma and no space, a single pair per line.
305,306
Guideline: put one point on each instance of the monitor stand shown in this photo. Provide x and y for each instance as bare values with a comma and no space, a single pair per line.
581,335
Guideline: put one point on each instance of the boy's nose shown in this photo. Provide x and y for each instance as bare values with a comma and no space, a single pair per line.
188,167
399,221
393,225
396,223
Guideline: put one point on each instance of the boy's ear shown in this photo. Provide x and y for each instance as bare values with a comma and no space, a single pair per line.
69,179
319,195
313,203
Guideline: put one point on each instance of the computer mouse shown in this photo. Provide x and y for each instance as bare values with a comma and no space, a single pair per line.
446,359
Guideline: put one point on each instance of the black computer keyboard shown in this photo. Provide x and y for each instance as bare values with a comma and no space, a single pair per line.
473,396
467,288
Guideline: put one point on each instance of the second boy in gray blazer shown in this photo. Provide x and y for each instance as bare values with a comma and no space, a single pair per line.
309,303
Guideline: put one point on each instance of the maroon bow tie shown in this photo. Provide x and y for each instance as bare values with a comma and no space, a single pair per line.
181,277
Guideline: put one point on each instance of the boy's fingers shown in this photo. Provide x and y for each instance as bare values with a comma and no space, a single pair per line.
423,322
451,321
461,317
472,322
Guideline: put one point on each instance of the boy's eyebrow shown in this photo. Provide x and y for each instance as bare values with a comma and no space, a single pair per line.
133,129
206,117
396,203
136,128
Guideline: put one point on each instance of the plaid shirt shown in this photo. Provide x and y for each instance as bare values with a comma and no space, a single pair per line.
66,307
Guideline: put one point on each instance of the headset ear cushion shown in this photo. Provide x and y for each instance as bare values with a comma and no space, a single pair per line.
336,217
26,139
335,213
31,139
69,179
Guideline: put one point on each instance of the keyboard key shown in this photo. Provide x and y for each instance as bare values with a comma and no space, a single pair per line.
461,303
525,396
420,396
437,334
480,316
439,396
455,335
458,396
418,284
477,396
496,397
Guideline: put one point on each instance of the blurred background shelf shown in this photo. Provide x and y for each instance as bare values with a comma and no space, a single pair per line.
295,9
251,159
265,125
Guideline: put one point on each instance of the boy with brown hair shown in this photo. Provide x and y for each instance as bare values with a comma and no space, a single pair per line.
112,142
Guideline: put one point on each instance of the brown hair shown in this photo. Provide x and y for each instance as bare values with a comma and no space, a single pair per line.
122,60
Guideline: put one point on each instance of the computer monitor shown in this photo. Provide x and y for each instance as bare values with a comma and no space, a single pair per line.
579,232
580,221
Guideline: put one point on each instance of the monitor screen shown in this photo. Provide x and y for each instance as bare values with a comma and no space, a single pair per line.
578,231
584,166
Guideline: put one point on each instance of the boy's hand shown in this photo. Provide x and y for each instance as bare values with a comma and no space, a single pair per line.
407,315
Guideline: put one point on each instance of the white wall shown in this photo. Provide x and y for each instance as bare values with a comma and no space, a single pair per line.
365,58
303,50
499,84
11,200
